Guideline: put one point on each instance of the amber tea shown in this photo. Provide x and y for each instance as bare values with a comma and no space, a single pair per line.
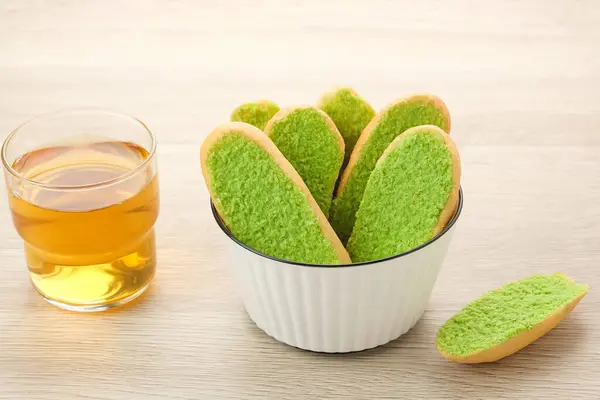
86,211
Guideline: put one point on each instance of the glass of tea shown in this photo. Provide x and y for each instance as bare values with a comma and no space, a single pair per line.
83,193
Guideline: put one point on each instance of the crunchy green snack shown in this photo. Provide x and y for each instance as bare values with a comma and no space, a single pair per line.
310,141
389,123
255,113
350,113
410,195
505,320
262,199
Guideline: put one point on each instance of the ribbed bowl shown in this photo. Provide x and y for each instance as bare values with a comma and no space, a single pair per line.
338,309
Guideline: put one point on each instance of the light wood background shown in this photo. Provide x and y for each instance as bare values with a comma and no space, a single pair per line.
522,80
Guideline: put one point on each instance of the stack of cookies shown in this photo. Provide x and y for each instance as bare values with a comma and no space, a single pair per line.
337,182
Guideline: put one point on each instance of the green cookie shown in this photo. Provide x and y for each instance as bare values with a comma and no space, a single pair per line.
255,113
350,113
503,321
308,138
262,199
410,196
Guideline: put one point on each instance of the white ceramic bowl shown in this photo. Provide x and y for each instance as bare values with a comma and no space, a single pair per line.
338,308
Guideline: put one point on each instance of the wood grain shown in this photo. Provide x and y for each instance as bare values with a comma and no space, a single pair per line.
521,80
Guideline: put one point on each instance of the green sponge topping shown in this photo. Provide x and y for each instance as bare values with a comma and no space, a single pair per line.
503,313
255,113
313,148
350,113
396,119
404,197
261,205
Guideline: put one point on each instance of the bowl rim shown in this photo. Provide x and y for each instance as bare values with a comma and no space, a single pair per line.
444,231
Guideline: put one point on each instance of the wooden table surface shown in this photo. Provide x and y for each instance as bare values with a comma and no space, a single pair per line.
521,79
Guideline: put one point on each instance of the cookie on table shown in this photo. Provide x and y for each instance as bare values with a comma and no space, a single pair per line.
410,196
309,139
392,121
256,113
504,321
350,113
262,200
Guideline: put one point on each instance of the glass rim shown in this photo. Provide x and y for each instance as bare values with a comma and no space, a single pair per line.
69,111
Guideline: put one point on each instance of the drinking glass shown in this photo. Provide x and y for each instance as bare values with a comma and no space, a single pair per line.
83,192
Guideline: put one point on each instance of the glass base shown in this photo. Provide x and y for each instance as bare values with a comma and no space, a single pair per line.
94,307
92,286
